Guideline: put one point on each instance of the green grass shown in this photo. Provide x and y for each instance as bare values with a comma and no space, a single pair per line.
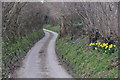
13,50
54,28
83,61
0,65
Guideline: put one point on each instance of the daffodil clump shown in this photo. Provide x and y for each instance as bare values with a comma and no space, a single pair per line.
103,47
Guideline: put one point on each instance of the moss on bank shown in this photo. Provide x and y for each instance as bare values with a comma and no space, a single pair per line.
13,51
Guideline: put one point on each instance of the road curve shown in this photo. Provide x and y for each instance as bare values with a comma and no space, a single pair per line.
41,61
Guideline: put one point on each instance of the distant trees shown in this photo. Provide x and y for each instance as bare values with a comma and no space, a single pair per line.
10,17
21,18
22,27
119,23
97,17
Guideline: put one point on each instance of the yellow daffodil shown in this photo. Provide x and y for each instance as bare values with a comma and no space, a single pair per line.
106,47
114,45
105,44
95,43
95,48
98,43
110,46
105,51
91,44
101,45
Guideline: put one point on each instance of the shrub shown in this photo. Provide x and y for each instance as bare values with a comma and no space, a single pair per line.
79,25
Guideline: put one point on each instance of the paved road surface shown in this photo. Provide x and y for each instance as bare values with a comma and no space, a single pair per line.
41,61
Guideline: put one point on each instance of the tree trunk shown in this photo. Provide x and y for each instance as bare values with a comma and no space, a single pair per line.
119,24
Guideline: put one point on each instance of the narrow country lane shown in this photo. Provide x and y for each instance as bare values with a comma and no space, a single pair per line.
41,61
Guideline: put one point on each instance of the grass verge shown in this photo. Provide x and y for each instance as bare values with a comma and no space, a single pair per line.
83,61
86,63
13,51
54,28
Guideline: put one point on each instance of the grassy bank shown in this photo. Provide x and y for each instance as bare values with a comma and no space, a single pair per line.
12,51
53,28
83,61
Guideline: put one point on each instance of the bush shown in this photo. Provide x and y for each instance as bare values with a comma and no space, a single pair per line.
78,25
